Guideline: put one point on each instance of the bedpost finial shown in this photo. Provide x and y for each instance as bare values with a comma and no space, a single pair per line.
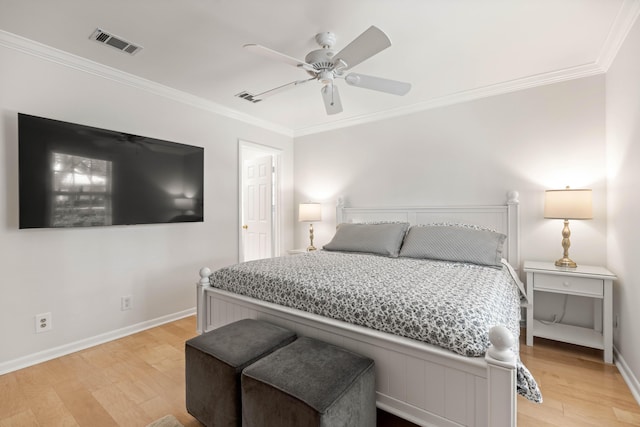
501,343
513,197
205,272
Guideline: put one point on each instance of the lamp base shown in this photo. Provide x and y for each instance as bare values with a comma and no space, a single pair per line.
311,247
566,262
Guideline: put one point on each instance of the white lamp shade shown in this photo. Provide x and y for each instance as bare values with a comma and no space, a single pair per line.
567,204
310,212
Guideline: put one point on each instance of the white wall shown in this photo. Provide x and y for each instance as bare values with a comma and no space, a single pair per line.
471,153
79,275
623,169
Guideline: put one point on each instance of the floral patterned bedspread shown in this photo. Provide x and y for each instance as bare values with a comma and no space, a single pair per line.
452,305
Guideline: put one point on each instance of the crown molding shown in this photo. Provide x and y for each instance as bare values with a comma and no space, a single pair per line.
622,25
624,21
577,72
48,53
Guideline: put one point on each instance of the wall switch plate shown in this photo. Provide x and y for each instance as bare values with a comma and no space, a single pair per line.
44,322
126,302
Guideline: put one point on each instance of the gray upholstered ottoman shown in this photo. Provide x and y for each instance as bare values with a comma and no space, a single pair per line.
309,383
214,361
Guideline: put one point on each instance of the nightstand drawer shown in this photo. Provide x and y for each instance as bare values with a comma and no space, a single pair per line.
569,285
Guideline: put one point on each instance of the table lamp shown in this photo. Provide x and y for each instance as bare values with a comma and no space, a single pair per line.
567,204
310,212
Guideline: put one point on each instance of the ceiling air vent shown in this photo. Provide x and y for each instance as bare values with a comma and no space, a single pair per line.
248,97
114,41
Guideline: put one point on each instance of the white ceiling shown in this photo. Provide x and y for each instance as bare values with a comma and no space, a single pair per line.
449,50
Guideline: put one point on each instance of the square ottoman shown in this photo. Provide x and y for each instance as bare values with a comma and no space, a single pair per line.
309,383
214,361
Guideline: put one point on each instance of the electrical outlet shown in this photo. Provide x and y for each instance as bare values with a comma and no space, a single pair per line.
44,322
126,302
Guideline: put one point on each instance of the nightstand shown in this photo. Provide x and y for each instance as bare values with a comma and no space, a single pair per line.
587,281
296,251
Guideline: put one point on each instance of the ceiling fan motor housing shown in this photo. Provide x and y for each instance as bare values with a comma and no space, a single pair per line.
320,59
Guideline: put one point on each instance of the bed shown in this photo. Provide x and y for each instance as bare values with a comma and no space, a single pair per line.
442,383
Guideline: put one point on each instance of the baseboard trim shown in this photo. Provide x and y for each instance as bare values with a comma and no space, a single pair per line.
627,375
63,350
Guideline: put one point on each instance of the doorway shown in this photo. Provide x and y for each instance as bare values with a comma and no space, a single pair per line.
259,198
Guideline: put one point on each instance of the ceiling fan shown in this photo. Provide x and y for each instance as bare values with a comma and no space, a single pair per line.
325,65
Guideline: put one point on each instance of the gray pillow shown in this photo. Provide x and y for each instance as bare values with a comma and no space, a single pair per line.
450,243
381,238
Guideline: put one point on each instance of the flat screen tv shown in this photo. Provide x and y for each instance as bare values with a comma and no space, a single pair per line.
72,175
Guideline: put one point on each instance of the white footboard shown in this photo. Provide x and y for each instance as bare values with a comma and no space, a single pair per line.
424,384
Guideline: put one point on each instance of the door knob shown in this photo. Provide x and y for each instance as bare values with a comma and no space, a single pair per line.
245,226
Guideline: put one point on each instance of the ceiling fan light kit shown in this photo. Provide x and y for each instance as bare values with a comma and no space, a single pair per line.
325,65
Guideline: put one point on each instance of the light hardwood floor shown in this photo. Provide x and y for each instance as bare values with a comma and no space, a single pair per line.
138,379
578,388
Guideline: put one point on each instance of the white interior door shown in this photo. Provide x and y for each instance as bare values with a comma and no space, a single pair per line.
257,207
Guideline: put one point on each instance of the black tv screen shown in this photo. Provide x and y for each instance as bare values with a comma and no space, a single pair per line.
72,175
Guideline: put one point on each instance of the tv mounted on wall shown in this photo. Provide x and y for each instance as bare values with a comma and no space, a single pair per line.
72,175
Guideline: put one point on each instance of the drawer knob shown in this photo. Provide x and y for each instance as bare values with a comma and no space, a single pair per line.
566,284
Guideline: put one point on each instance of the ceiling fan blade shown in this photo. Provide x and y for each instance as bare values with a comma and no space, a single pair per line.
275,55
270,92
377,83
331,98
367,44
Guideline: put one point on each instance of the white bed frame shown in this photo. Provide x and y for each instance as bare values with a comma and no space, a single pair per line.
419,382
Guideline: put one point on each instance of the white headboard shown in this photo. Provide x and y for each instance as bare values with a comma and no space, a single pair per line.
502,218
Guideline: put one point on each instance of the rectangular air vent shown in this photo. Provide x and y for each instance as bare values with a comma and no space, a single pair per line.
248,97
114,41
